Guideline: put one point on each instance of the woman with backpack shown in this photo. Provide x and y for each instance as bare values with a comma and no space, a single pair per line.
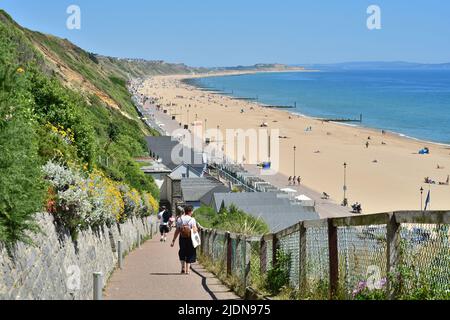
187,253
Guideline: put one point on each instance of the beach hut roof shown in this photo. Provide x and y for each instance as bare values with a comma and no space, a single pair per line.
196,189
277,211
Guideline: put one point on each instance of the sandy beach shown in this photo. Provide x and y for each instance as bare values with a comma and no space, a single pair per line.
385,176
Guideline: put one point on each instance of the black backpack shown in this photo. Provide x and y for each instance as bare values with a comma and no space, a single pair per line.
166,216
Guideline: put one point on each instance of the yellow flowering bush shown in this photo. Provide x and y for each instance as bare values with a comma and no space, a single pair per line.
150,205
66,134
133,202
82,199
107,202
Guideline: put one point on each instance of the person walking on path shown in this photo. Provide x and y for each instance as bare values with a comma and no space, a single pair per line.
187,253
164,217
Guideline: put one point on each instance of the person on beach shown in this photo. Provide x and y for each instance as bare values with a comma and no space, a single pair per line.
164,217
185,226
293,180
367,144
299,180
290,180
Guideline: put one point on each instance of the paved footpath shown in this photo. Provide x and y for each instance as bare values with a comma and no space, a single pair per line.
152,272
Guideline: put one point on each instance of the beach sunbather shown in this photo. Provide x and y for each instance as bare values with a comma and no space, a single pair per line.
429,181
446,183
325,196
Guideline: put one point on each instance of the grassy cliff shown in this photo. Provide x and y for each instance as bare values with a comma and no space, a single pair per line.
62,104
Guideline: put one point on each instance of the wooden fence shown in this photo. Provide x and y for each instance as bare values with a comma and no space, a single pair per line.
334,245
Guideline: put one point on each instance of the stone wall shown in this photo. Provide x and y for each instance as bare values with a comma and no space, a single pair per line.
56,268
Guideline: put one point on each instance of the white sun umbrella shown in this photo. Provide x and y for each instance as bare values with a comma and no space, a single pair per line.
289,190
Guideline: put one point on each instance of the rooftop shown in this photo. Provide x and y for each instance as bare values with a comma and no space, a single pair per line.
274,208
164,145
195,189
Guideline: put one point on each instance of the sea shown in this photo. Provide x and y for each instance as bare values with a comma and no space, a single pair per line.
412,103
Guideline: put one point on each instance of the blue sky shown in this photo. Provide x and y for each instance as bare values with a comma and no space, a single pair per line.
244,32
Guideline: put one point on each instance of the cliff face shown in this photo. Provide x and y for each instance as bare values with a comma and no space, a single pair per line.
86,72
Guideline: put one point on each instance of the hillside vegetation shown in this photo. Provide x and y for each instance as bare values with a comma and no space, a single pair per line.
69,133
64,110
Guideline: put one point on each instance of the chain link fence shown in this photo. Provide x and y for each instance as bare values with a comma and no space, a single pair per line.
402,255
362,254
425,258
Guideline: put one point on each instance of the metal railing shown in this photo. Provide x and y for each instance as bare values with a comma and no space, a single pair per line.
337,255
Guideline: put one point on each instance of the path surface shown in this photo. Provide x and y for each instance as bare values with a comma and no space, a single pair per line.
152,272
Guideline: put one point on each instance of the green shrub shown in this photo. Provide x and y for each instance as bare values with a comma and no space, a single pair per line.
278,277
21,184
42,120
231,219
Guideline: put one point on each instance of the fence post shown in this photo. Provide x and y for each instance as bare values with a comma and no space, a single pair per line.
98,286
208,234
207,242
213,254
333,259
247,258
302,257
202,241
274,250
138,239
229,252
393,255
263,256
151,230
119,253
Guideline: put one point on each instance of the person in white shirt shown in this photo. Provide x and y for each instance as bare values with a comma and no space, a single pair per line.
187,253
164,217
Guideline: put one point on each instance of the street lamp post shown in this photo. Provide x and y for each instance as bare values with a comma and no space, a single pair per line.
421,198
204,130
345,185
217,143
295,149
